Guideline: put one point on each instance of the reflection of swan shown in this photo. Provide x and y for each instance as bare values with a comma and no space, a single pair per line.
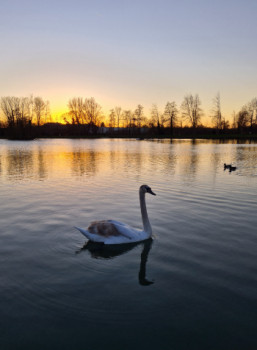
115,232
102,251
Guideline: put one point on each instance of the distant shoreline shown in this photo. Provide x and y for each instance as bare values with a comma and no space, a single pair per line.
226,138
70,131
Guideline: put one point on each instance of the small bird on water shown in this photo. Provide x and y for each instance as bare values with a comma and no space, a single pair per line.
230,167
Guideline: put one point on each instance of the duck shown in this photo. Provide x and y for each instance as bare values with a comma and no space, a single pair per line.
227,166
232,168
116,232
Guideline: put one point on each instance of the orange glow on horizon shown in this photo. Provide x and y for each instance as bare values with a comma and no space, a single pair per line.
60,109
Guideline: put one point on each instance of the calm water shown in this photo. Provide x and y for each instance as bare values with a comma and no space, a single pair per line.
193,287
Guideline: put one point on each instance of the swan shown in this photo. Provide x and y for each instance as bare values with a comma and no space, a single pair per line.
115,232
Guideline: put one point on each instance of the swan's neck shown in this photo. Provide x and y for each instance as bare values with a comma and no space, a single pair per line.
146,222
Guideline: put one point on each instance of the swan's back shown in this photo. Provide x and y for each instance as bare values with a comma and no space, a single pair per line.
112,232
103,228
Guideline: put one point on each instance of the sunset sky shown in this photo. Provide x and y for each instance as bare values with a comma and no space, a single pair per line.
124,53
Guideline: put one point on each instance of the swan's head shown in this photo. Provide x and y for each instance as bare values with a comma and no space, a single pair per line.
147,189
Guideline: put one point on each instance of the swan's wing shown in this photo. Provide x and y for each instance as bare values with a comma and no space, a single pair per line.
112,228
125,229
119,223
104,228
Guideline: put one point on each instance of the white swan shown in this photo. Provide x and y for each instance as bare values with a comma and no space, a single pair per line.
115,232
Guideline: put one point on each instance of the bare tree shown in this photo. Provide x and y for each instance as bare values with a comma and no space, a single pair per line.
92,111
170,113
191,110
139,115
86,111
127,117
216,112
224,124
30,108
112,119
242,119
251,109
118,113
47,113
9,109
18,111
155,117
234,124
76,110
247,116
39,109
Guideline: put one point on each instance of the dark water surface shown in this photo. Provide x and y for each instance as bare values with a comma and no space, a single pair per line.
193,287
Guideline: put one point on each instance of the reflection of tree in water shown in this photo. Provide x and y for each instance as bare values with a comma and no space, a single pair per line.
134,160
125,159
113,155
84,163
164,160
41,164
102,251
191,162
170,160
144,158
20,164
215,158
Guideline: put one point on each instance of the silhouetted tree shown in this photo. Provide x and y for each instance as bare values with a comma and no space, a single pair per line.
86,111
118,113
127,117
18,111
138,115
77,110
9,109
191,110
216,116
112,119
251,108
234,123
224,124
170,113
242,119
92,111
41,109
156,117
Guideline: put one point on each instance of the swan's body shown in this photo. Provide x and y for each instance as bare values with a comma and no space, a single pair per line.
115,232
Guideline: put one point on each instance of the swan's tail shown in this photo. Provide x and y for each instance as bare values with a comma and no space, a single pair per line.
90,236
84,232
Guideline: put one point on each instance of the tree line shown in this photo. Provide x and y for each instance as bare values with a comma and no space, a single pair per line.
19,115
22,111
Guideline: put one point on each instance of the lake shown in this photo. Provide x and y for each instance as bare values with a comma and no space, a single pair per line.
193,286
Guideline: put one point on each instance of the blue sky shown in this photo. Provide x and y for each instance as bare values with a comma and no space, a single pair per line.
129,52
